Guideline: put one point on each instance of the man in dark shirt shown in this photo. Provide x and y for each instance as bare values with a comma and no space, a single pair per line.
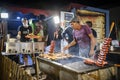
23,31
89,23
58,38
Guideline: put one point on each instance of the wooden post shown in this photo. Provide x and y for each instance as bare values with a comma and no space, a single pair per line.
36,68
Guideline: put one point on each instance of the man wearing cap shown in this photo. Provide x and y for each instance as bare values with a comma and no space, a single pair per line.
67,34
24,30
83,36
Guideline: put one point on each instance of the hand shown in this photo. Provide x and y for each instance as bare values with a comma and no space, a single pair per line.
66,47
18,36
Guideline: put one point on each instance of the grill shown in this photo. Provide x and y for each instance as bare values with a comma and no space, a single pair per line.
73,68
24,47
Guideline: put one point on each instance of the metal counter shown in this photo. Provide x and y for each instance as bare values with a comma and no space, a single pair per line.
73,68
114,56
115,51
24,47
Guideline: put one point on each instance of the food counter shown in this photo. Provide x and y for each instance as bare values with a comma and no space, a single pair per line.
114,56
115,51
24,47
73,68
13,49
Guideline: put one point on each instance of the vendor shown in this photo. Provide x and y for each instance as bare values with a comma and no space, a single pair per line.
24,30
89,23
67,34
39,31
58,38
83,36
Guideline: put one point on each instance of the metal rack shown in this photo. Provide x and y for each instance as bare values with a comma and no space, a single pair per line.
24,47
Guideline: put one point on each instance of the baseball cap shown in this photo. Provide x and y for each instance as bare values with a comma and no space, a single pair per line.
24,19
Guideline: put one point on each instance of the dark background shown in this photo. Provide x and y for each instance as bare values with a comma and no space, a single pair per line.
55,4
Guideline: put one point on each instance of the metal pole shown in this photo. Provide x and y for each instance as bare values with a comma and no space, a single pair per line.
36,68
1,37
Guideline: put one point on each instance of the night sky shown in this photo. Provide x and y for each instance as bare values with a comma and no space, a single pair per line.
51,4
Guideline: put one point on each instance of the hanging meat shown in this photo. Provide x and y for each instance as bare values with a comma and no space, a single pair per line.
102,55
103,52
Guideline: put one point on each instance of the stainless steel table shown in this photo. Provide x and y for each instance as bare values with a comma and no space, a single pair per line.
73,68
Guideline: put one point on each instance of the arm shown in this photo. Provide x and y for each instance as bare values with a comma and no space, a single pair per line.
19,32
63,34
19,35
93,43
70,44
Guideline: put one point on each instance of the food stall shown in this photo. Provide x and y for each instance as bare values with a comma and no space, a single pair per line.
61,66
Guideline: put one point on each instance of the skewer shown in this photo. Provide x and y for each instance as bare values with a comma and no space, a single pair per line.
111,28
101,60
117,65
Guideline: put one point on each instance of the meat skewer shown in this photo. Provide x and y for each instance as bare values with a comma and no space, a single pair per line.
102,55
103,51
